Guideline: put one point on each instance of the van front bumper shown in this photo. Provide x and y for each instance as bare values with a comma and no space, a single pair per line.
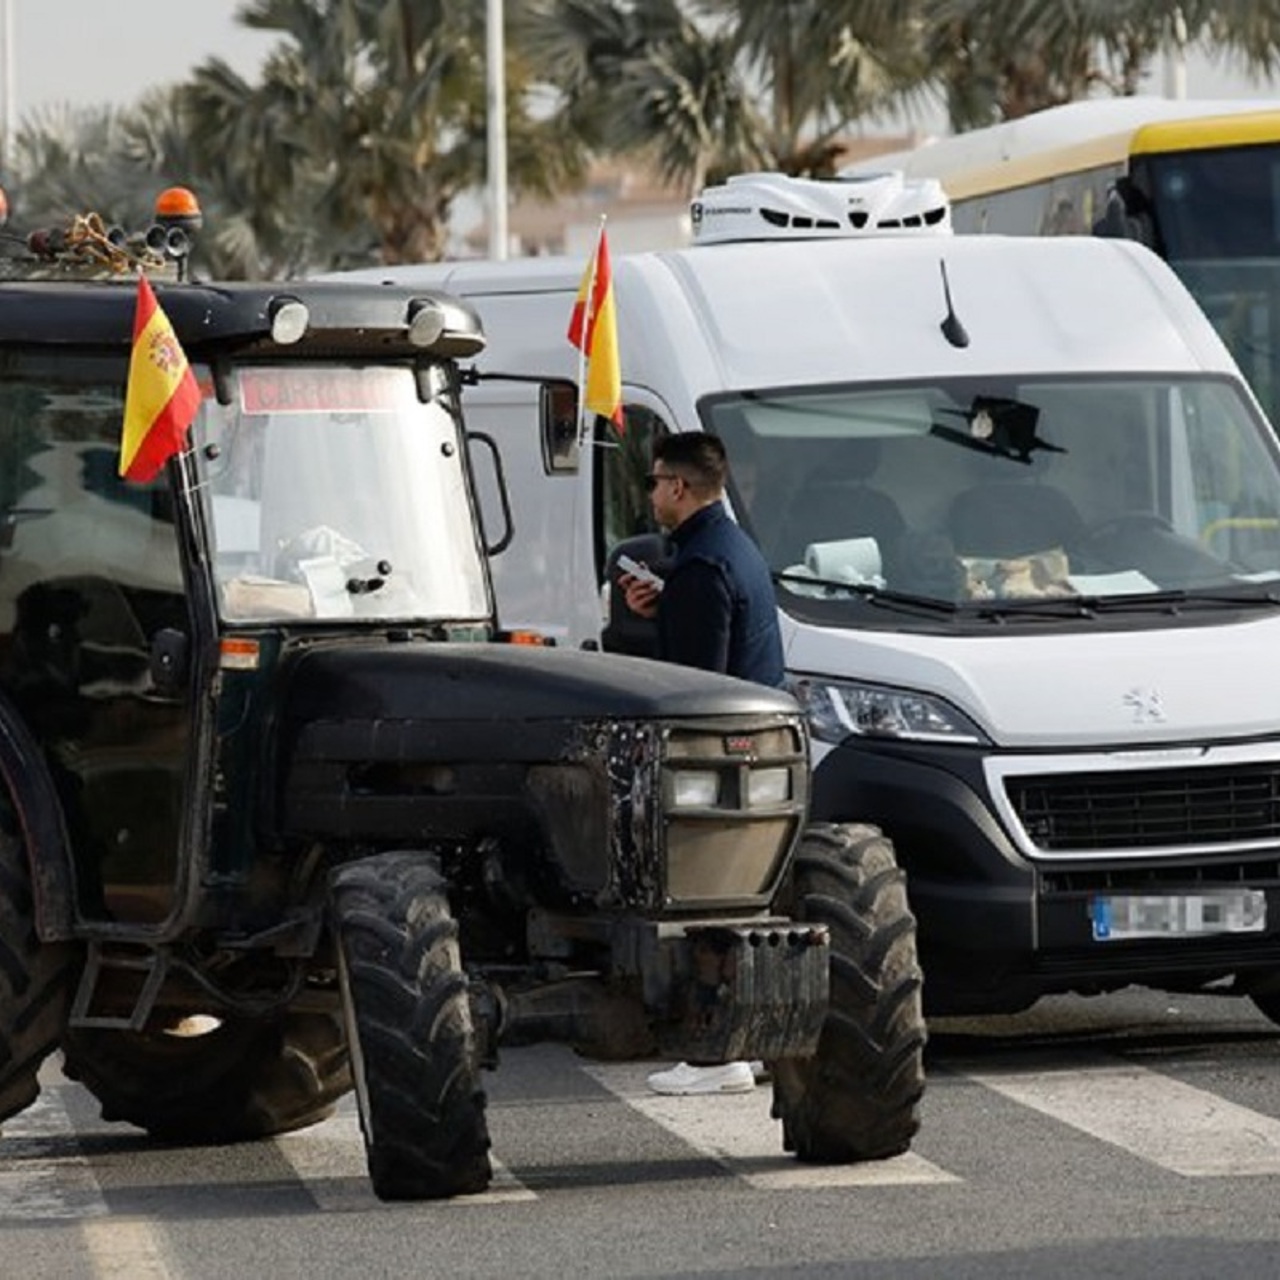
998,930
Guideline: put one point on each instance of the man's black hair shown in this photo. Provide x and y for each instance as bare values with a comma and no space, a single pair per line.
699,456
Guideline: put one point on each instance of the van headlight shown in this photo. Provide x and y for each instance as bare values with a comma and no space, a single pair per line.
840,709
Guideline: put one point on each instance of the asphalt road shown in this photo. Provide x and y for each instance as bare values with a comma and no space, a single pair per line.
1129,1135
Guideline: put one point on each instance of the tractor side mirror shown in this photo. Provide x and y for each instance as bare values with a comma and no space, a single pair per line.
170,662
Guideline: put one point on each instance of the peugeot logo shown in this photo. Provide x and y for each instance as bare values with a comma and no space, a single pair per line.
1147,706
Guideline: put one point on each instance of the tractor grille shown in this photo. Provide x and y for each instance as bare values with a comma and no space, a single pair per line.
1148,809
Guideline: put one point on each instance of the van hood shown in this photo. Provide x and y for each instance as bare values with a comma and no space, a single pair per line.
1198,683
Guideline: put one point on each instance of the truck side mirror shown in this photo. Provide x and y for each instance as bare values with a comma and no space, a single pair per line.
624,631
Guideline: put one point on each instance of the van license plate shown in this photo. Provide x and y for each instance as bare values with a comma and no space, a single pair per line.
1180,915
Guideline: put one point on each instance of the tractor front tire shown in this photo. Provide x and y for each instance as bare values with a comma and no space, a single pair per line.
414,1045
856,1098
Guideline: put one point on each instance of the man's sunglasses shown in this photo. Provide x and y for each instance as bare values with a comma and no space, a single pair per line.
652,481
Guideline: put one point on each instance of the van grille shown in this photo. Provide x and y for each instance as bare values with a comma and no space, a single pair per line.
1148,809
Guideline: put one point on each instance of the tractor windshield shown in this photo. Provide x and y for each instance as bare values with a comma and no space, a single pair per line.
339,492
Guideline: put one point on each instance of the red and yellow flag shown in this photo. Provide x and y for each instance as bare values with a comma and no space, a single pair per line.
593,329
161,397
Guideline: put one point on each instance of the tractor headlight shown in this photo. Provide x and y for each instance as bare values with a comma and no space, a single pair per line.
767,787
840,709
692,789
734,802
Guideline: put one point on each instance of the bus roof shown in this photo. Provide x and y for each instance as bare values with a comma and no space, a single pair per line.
1079,136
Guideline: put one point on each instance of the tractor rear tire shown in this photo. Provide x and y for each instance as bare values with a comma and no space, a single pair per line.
241,1079
37,979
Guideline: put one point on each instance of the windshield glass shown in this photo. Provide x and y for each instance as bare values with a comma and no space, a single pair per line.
336,492
1216,216
973,494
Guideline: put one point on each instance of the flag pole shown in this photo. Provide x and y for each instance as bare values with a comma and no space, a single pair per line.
588,322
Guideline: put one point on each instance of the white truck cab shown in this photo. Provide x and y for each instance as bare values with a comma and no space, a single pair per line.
1023,515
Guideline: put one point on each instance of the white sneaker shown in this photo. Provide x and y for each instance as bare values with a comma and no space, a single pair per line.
682,1079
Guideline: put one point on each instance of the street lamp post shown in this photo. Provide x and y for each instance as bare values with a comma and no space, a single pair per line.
496,99
10,91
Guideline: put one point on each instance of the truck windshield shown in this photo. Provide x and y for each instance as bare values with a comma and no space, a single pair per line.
337,492
975,492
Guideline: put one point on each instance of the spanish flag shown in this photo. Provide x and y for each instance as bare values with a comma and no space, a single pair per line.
593,329
161,398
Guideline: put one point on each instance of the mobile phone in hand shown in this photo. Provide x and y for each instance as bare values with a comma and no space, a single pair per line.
638,570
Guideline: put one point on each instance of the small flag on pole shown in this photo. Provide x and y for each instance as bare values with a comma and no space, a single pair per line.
161,398
593,329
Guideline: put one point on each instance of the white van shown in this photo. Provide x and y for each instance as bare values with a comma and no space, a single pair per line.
1024,519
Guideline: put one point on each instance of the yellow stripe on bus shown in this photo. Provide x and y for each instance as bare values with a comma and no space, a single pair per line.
1207,132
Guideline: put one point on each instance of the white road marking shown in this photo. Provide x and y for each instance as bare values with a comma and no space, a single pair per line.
38,1184
329,1159
35,1182
736,1130
126,1249
1149,1115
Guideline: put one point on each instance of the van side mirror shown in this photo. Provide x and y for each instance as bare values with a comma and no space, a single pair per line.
558,416
624,631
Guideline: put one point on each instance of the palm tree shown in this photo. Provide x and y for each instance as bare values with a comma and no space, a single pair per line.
998,60
825,64
367,125
705,87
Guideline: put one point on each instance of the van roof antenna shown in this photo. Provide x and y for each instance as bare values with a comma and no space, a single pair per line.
954,332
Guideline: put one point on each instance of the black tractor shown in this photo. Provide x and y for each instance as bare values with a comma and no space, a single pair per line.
284,812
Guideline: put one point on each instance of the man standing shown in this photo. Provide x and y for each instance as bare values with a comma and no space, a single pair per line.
715,610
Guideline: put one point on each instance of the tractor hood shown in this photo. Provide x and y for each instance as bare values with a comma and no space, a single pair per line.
502,686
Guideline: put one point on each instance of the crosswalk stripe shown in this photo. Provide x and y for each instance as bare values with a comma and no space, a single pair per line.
40,1184
329,1159
126,1249
37,1182
736,1130
1156,1118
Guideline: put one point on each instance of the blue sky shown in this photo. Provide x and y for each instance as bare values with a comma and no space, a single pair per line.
86,52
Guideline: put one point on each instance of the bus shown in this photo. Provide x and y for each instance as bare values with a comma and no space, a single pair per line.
1197,181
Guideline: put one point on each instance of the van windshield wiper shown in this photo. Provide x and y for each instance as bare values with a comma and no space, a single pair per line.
1042,607
1175,601
872,594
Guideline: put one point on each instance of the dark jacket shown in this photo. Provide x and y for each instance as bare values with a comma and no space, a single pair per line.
717,610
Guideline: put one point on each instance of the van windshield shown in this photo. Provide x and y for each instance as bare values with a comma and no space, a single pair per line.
336,492
974,493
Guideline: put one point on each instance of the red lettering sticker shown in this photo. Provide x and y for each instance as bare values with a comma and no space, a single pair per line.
316,389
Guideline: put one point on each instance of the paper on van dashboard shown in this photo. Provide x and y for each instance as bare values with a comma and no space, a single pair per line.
1128,582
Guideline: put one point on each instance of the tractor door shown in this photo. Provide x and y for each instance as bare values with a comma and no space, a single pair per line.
90,575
